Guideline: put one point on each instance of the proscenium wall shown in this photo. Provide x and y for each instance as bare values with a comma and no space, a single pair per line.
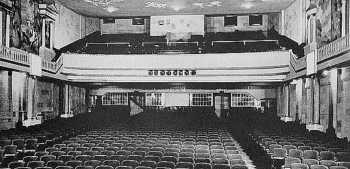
70,26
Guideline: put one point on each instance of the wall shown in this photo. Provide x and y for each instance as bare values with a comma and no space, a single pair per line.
123,26
179,24
70,26
77,103
324,102
19,94
216,24
293,21
343,112
46,98
5,110
89,25
328,21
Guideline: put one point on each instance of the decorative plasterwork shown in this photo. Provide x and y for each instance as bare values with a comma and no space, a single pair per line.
108,5
156,4
208,4
116,8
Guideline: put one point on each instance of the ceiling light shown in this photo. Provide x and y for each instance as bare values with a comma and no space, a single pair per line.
111,9
177,4
247,5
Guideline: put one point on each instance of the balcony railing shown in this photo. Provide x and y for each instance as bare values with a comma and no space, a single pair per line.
334,48
14,55
24,58
296,63
50,66
46,53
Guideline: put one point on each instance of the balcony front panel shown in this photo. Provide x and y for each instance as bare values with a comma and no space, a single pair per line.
231,67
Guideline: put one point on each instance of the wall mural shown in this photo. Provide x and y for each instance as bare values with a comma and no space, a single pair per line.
26,25
328,21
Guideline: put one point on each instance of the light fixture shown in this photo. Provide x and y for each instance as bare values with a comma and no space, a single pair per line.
177,5
325,73
111,9
108,5
247,5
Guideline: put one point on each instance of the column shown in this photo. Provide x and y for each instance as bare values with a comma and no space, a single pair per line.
282,22
52,24
1,23
8,20
10,99
316,100
333,75
43,33
344,17
287,101
66,100
31,97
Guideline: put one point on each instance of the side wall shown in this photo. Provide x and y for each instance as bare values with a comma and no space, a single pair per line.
34,100
70,26
321,102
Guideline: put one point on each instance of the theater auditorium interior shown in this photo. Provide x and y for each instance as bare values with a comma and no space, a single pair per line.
174,84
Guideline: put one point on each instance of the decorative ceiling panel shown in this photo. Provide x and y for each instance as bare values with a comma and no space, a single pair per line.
117,8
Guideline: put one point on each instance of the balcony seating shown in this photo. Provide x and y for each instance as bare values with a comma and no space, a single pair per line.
219,42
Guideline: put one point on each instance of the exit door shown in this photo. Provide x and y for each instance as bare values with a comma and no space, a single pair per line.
222,104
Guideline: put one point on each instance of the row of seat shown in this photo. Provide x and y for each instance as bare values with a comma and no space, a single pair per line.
215,148
301,152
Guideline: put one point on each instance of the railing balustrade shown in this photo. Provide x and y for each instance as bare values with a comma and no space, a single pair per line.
24,58
334,48
14,55
297,63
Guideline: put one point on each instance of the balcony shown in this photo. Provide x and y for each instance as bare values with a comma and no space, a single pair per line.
205,67
333,49
52,67
297,64
15,56
30,62
219,42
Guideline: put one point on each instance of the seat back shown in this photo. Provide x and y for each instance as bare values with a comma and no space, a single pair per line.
291,160
327,155
318,167
328,163
299,166
310,154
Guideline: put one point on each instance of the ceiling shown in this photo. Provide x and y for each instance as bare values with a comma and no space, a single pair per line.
118,8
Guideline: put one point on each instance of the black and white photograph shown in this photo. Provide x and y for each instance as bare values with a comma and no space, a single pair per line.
174,84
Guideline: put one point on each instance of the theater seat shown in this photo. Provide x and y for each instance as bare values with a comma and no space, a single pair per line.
299,166
202,166
310,162
318,167
221,166
113,163
239,166
104,167
84,167
345,164
15,164
328,163
148,163
338,167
